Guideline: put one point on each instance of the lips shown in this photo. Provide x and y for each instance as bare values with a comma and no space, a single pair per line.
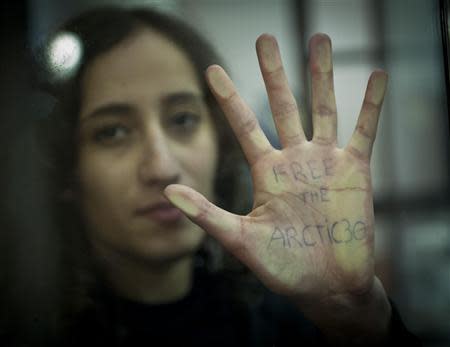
161,213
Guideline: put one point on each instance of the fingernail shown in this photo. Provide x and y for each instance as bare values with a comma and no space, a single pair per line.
219,81
269,50
321,53
182,202
378,87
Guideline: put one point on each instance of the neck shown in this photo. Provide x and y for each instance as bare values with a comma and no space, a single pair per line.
150,283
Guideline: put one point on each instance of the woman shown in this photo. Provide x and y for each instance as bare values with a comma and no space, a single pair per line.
152,158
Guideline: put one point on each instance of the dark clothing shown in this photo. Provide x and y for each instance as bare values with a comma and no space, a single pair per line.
208,316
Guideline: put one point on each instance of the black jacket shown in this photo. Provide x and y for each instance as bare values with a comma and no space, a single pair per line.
208,316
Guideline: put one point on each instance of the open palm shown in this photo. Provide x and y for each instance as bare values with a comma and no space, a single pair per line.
310,233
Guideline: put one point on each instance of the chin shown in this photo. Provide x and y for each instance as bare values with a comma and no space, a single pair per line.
157,246
171,249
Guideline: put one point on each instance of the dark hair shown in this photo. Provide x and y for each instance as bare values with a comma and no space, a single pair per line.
99,30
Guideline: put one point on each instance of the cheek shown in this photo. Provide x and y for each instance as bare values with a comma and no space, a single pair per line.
201,163
101,182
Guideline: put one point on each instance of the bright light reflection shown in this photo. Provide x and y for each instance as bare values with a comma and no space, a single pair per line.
64,55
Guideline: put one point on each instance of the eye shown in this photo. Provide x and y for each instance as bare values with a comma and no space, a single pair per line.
111,133
185,121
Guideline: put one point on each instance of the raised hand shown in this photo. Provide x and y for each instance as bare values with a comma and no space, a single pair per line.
310,234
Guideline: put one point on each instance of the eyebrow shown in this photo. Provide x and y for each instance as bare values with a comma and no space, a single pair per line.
181,98
109,110
125,109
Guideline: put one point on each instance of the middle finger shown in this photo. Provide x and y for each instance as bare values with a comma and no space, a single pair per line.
324,111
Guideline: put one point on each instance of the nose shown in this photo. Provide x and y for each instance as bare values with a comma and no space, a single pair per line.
157,164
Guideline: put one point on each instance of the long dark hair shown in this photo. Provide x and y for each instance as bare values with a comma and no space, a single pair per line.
99,30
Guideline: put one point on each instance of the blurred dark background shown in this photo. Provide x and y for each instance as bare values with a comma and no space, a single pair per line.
410,164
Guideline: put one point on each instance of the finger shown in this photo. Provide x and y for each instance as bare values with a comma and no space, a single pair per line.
323,100
363,137
222,225
282,103
242,120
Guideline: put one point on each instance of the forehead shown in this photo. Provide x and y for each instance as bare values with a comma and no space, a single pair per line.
145,66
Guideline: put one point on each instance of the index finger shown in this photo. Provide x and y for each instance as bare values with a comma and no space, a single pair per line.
242,120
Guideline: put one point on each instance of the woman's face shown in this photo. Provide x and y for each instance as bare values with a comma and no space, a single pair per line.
143,125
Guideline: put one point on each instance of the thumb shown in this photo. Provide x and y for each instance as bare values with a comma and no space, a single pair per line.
220,224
